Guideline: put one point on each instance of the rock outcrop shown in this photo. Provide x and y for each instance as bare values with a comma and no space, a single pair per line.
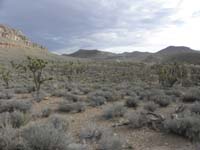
11,38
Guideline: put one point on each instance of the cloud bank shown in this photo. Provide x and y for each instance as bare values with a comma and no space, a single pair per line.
111,25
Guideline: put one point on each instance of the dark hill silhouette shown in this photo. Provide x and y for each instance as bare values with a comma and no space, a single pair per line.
171,53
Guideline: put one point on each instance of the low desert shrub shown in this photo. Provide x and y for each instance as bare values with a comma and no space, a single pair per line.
129,93
163,101
58,122
46,112
150,106
71,97
187,126
5,95
21,90
85,90
45,137
108,95
97,100
131,102
91,132
10,106
191,95
59,93
174,92
195,108
114,111
111,96
15,119
151,95
137,120
19,119
158,96
71,107
110,142
4,119
77,146
9,139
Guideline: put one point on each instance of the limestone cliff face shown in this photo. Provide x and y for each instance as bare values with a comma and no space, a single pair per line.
11,38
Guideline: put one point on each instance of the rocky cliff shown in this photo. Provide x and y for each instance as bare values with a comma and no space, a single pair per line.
11,38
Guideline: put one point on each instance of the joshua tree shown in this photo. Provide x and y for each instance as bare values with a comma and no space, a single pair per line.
171,73
36,67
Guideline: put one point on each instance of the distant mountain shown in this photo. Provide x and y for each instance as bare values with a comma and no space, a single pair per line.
181,54
178,54
91,54
171,53
102,55
172,50
132,56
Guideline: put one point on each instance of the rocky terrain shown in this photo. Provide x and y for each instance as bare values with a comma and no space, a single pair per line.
14,45
12,38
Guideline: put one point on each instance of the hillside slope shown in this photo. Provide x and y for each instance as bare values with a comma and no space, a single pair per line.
14,45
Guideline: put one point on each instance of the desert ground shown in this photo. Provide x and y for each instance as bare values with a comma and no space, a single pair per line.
92,105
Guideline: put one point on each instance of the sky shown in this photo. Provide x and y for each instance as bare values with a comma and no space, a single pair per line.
65,26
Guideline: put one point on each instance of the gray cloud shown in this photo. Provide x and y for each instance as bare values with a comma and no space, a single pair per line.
74,24
1,3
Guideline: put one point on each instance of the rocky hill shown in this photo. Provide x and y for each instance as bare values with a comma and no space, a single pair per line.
11,38
14,45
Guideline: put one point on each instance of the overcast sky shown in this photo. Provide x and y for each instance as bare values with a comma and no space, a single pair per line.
112,25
